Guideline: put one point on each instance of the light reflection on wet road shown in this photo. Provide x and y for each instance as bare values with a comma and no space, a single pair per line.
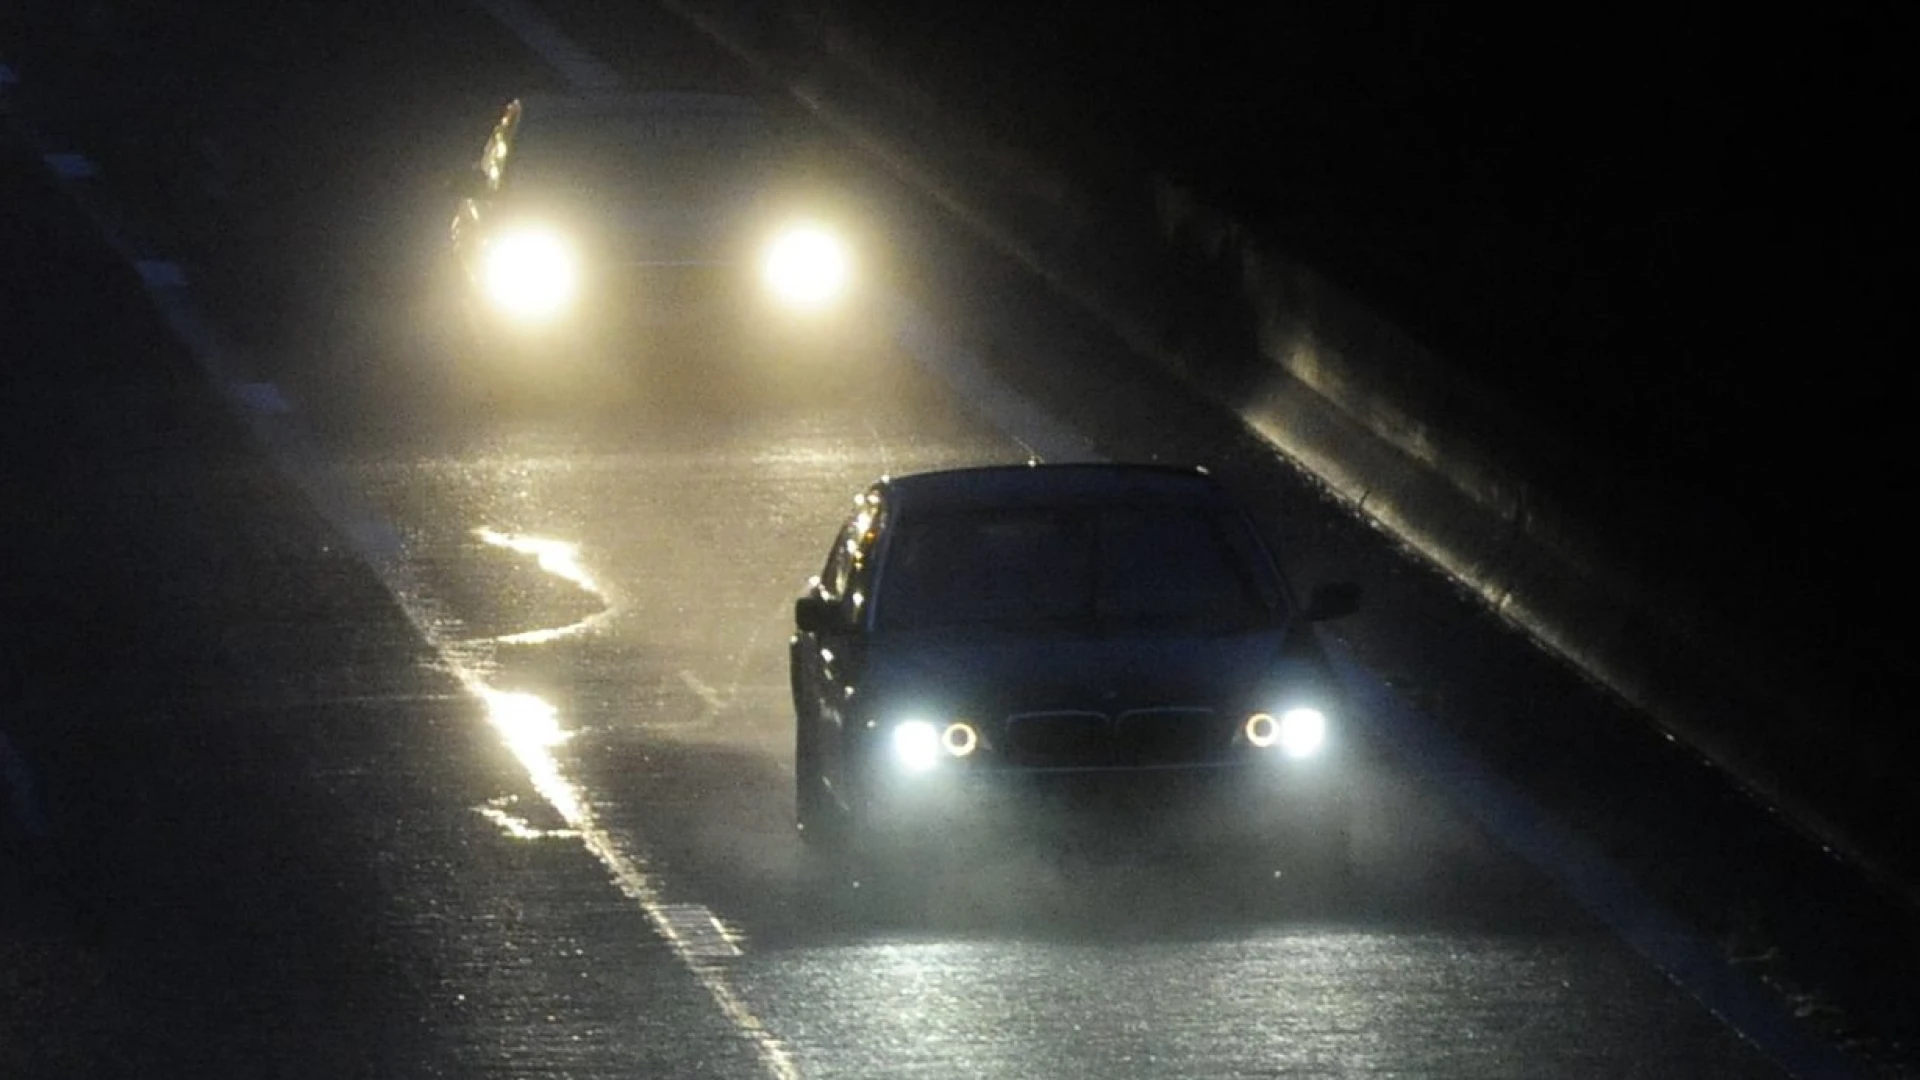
562,560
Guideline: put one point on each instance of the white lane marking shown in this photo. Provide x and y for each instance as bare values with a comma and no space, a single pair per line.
71,166
576,65
8,77
531,730
705,935
561,558
520,828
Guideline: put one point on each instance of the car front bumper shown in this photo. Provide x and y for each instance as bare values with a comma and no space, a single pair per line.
1255,802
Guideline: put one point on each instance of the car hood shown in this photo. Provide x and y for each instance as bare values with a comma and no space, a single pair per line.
624,231
987,677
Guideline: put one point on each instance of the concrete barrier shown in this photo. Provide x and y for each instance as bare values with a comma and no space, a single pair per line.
1464,477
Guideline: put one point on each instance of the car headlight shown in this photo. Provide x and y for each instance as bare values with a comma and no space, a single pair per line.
806,267
530,273
916,745
1298,732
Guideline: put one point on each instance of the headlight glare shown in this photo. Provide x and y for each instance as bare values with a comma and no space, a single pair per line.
916,745
807,267
1303,731
530,273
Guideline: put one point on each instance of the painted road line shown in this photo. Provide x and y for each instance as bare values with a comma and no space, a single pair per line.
701,933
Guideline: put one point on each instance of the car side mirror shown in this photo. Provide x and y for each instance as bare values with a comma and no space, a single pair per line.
815,614
1335,600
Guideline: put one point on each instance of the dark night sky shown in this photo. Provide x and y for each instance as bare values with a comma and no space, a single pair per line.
1614,188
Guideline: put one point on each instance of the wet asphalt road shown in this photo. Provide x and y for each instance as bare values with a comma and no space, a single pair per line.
656,722
529,812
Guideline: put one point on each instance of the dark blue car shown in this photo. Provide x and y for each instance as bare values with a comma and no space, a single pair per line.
1082,637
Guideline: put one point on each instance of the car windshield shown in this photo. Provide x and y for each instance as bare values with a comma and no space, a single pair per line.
669,154
1076,569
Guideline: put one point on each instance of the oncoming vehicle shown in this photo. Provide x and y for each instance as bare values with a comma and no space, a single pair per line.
598,218
1097,636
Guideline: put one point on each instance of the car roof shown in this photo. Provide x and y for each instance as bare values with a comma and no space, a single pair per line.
997,486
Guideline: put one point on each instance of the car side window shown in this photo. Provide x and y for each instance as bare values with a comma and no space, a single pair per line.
849,570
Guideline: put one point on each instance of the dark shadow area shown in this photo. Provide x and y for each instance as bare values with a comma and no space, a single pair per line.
189,905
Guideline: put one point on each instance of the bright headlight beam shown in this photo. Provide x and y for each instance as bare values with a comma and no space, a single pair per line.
530,273
1302,732
916,745
807,267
